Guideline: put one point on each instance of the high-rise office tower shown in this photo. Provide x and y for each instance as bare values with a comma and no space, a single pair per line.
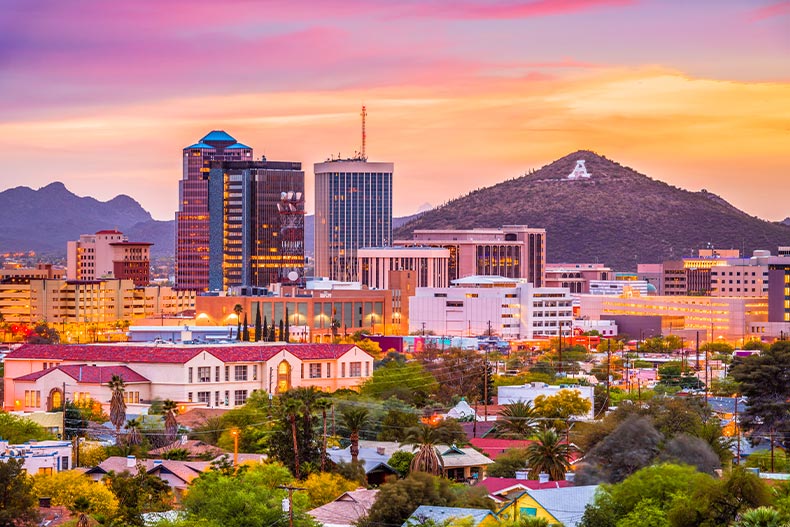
353,209
256,225
192,218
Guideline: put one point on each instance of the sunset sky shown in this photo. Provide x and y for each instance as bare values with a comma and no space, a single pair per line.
461,94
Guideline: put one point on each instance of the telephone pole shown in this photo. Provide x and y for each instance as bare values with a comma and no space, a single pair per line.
288,503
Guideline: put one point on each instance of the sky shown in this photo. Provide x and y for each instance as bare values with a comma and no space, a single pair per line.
460,94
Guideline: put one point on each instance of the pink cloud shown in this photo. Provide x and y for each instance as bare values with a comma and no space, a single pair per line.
513,10
770,11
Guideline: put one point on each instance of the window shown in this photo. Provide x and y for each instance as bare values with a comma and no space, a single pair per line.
32,398
204,374
216,374
227,373
240,373
227,397
216,398
64,463
254,372
328,370
131,397
189,376
355,369
204,397
315,371
189,397
45,470
342,369
239,397
367,369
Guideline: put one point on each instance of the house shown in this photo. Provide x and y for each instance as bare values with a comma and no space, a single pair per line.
503,490
39,457
439,515
463,464
530,391
373,455
177,474
346,510
564,506
194,375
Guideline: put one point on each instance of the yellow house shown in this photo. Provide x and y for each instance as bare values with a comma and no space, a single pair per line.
561,506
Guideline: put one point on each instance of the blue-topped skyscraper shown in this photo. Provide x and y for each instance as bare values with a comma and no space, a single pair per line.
192,218
353,209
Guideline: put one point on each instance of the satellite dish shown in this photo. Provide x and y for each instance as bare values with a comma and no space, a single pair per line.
293,276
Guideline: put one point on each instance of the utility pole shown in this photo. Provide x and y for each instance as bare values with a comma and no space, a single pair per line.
697,350
559,359
288,503
63,401
737,432
608,371
235,434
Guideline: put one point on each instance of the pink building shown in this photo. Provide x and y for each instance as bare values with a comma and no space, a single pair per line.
215,375
576,276
108,254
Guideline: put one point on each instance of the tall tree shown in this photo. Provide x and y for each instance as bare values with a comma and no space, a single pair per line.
133,436
549,454
287,326
258,326
292,408
323,404
117,404
245,330
272,336
171,425
355,419
282,330
516,420
424,438
238,310
765,381
17,499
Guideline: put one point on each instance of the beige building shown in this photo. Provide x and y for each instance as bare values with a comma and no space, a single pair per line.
728,318
90,302
514,251
108,254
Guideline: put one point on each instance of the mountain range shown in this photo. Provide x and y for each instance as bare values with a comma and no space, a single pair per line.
616,216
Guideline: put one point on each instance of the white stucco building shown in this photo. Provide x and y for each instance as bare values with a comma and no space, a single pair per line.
40,457
515,309
528,393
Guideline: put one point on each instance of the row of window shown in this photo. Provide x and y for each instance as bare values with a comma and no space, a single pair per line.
239,397
240,373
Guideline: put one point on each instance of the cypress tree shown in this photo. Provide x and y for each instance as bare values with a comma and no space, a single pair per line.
246,330
271,332
282,329
264,333
287,326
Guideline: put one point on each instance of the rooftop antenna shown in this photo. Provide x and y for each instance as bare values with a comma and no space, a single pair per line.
364,115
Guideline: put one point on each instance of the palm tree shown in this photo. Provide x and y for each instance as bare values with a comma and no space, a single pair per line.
761,517
81,505
292,407
238,310
133,432
171,425
427,459
549,454
323,404
516,421
117,404
355,419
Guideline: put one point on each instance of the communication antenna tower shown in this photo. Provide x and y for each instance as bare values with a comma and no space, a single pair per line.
364,114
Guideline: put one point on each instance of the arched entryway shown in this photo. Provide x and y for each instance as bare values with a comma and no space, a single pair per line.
55,400
283,377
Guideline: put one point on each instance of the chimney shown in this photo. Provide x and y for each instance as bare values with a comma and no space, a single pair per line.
380,450
570,477
131,462
157,462
522,475
183,439
543,478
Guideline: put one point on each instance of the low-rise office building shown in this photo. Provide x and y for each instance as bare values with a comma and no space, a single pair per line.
479,305
39,457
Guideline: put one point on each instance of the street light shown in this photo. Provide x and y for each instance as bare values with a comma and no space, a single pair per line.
235,434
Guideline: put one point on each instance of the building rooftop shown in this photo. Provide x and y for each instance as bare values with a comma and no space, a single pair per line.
217,135
239,145
200,145
89,374
440,515
347,509
485,280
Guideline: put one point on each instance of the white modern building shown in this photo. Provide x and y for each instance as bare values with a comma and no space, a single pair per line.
430,265
515,309
618,287
606,328
40,457
529,392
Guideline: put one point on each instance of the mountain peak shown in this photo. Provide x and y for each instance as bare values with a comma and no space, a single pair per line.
604,211
55,186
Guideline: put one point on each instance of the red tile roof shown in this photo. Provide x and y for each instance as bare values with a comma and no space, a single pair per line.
494,447
85,374
109,231
174,354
